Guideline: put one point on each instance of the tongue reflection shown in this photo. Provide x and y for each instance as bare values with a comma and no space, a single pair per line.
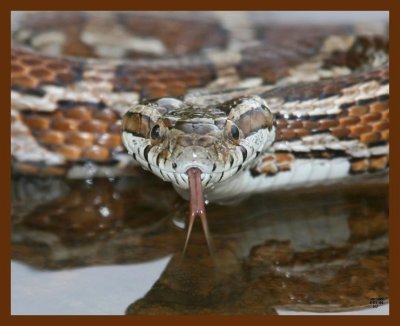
197,206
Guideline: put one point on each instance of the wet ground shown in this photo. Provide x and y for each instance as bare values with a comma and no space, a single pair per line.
319,249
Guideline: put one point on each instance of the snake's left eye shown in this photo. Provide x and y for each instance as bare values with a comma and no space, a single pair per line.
235,132
155,132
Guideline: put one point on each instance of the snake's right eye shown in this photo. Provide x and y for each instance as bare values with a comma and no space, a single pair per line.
235,132
155,132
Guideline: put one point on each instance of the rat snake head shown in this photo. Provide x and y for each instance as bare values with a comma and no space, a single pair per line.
168,137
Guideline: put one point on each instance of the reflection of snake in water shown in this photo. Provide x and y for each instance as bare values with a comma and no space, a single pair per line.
260,106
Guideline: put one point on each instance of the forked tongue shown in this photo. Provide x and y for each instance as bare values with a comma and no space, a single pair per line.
197,208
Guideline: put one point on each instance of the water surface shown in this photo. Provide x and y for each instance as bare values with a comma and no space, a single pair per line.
320,249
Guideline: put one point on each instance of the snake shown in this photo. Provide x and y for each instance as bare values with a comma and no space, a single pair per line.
219,104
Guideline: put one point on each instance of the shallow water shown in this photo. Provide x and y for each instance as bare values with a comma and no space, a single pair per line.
319,249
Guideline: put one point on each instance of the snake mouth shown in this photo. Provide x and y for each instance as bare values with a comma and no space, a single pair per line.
197,207
213,170
182,180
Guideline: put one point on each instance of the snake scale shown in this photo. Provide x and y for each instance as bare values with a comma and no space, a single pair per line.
231,105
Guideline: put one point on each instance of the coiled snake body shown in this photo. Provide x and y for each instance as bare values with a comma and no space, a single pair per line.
249,105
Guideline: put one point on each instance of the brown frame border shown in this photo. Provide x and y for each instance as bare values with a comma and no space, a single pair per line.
7,6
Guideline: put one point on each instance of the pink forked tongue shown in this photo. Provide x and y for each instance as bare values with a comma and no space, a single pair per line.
197,208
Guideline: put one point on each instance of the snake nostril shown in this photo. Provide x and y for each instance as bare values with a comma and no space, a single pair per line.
174,165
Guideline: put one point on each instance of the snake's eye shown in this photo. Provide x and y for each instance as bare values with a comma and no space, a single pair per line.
155,132
235,132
